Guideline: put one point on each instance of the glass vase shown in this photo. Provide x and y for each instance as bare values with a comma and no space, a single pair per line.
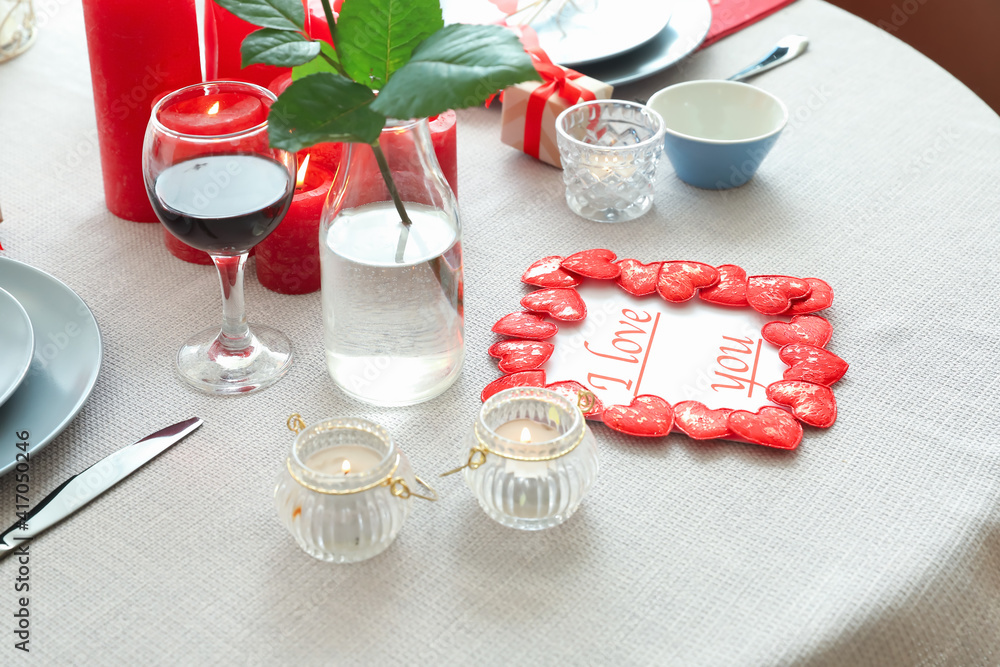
392,289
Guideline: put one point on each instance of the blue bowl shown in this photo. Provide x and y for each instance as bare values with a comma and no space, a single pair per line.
718,132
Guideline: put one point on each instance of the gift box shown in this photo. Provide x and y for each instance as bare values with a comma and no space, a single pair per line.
528,121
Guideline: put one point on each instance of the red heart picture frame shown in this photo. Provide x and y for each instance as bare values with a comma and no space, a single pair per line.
675,346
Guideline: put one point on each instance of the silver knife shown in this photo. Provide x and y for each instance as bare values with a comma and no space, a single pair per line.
83,487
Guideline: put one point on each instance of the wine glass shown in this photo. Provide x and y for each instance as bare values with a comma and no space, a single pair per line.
217,185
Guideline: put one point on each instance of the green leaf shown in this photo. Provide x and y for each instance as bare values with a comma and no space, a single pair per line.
320,64
456,67
323,107
277,14
376,37
278,47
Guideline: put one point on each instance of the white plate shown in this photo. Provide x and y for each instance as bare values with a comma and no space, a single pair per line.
688,27
584,31
65,365
587,31
17,341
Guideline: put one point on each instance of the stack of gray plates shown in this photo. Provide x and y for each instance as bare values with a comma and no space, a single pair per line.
50,356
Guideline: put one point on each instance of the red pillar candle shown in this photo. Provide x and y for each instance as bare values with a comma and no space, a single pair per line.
445,138
316,23
230,33
137,51
288,259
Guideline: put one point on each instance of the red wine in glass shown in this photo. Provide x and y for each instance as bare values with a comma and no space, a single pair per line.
223,204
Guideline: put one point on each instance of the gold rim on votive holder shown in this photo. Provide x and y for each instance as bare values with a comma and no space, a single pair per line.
370,435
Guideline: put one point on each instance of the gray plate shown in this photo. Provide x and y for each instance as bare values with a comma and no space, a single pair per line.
17,341
65,365
689,24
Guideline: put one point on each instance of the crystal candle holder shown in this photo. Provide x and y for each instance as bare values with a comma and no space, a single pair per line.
609,151
530,485
348,515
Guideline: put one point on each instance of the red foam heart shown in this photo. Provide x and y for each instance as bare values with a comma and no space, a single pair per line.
533,378
769,426
562,303
647,416
811,403
819,298
525,325
572,390
597,263
697,421
520,355
808,329
637,278
731,290
773,295
678,281
546,272
812,364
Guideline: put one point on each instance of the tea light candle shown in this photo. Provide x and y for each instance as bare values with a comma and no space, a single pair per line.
214,114
343,460
526,431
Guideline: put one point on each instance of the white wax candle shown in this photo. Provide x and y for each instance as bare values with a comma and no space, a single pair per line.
344,460
526,503
527,431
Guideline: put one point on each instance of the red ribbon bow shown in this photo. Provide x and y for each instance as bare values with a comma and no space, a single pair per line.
557,80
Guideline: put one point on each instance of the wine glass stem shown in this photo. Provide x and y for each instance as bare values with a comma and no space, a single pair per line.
235,333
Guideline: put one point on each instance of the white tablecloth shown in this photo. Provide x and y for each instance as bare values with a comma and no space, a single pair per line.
876,543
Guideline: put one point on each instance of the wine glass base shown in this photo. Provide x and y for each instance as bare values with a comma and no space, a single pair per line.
204,364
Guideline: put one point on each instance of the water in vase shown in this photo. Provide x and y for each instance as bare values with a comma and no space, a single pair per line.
393,325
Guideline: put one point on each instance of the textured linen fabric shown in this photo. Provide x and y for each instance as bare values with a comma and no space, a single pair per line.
877,542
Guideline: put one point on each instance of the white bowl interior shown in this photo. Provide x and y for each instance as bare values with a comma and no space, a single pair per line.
719,110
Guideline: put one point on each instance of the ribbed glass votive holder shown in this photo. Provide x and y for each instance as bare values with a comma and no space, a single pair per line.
338,514
522,481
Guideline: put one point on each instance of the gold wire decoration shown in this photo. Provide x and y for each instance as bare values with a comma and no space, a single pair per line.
397,485
477,455
295,423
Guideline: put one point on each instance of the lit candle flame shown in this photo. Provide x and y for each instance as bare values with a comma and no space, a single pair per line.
346,466
300,178
214,109
525,435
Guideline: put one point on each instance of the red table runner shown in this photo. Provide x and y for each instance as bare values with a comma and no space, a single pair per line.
729,16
